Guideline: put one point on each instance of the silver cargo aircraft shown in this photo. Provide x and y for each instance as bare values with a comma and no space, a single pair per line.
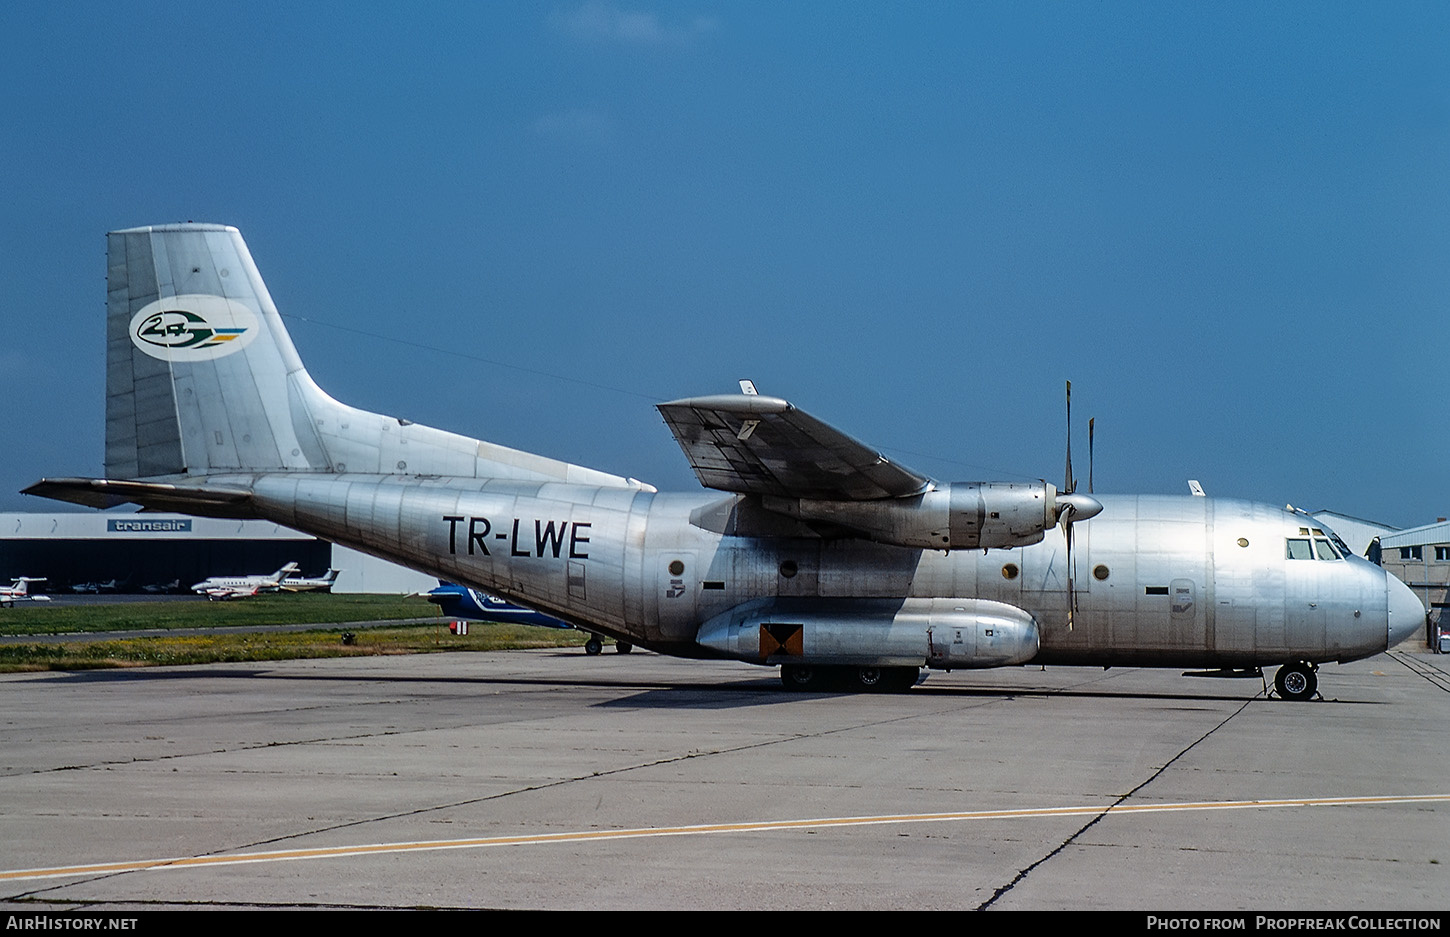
810,550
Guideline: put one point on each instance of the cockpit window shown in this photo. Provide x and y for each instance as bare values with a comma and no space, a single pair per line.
1304,548
1335,549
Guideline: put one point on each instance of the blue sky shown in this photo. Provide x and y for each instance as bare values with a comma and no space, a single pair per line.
1228,224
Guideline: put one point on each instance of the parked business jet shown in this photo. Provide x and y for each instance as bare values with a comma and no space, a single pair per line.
19,591
219,588
305,584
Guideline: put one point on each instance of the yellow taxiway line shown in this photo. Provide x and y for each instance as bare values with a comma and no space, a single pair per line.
538,839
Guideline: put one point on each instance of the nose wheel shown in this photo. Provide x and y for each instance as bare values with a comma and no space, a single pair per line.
1296,682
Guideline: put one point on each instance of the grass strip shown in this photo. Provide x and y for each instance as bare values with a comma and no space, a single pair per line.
273,609
273,646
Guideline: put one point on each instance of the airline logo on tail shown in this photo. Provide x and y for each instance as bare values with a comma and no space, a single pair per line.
194,327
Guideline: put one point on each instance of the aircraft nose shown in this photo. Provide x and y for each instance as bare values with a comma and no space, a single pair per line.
1407,613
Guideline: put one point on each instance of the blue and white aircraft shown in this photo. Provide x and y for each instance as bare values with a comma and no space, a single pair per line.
456,601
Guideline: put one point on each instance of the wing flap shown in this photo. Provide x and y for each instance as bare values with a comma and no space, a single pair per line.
752,444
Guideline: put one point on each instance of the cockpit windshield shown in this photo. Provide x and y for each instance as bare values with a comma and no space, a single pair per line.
1334,538
1314,543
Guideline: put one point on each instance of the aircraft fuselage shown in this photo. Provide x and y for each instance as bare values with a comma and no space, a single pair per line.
1159,580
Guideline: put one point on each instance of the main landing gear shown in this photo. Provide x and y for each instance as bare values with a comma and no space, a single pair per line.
595,645
810,678
1296,681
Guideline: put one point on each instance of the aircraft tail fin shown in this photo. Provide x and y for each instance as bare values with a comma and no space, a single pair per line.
202,379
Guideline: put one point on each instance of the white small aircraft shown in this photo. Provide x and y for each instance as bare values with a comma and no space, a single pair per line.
96,588
220,588
304,584
19,591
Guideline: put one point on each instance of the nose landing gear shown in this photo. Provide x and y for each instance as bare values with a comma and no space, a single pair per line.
1296,681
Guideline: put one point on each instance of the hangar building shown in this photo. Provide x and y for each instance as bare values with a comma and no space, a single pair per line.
138,550
1420,556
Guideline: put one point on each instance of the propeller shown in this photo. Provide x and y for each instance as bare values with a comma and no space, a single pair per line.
1073,507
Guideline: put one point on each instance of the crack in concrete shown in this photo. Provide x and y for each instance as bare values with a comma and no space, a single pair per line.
1023,873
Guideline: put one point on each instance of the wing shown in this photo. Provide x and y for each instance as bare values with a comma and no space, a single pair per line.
752,444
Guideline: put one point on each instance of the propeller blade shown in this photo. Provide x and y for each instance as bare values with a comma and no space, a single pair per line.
1068,486
1071,592
1071,507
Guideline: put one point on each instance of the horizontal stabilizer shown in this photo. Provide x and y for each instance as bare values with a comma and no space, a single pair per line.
107,493
753,444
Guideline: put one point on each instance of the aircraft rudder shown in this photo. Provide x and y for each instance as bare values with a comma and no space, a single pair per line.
198,360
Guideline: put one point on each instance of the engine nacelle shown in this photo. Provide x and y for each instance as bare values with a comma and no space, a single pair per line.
942,632
957,516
